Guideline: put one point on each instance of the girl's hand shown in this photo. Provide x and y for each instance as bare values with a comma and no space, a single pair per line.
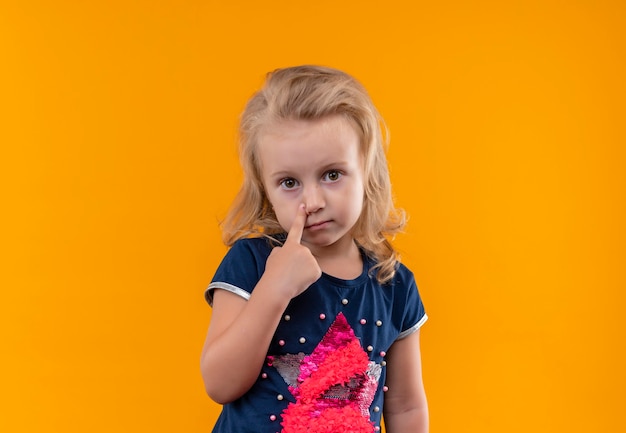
292,267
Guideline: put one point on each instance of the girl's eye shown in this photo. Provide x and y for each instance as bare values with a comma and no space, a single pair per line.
332,176
288,183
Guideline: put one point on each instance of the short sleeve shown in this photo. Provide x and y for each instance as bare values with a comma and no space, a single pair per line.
240,269
415,315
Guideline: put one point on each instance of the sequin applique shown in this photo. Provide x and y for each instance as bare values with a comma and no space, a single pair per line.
334,386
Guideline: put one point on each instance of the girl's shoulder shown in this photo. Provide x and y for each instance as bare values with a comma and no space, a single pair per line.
252,250
403,274
241,267
255,245
402,277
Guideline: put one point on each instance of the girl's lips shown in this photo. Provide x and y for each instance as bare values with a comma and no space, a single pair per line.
317,226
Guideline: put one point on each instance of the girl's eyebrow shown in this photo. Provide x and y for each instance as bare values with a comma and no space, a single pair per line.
282,173
323,168
337,165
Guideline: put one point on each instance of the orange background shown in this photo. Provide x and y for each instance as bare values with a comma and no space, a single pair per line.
117,132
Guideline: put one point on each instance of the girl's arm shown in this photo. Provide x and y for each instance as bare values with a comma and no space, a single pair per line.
236,344
405,408
241,331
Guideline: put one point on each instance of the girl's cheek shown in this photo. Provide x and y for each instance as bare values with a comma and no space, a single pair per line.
284,218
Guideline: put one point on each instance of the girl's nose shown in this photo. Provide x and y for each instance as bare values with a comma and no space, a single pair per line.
313,199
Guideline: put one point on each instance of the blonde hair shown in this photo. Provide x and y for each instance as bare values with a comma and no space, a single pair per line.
310,93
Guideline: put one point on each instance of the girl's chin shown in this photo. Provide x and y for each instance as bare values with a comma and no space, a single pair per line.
323,241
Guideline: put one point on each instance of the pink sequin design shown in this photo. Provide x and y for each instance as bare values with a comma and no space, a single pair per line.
335,386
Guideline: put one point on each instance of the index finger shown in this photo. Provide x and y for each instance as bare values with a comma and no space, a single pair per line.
297,226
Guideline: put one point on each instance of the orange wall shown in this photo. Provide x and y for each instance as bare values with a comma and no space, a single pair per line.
117,129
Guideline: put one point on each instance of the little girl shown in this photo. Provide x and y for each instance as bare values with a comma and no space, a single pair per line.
315,324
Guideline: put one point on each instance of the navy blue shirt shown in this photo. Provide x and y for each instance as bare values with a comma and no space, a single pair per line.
327,358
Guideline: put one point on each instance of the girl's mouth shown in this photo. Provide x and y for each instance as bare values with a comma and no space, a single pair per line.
318,226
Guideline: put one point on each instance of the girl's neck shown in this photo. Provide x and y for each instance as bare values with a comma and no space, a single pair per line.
341,260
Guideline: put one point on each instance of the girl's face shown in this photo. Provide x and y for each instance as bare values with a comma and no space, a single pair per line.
317,163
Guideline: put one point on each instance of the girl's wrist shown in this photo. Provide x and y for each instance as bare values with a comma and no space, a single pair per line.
274,292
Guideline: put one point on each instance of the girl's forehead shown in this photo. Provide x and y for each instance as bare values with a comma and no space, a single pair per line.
307,143
294,127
